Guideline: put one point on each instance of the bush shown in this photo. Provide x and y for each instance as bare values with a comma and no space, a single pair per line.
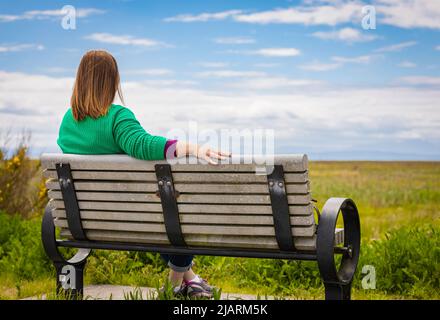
407,261
21,251
22,189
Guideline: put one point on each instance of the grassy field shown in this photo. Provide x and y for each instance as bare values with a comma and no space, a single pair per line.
389,195
399,204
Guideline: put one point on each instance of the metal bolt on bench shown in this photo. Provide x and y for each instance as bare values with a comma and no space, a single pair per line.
115,202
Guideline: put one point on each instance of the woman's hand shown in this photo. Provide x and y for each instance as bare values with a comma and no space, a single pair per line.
202,152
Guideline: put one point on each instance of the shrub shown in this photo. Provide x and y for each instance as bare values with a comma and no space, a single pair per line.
22,189
407,261
21,251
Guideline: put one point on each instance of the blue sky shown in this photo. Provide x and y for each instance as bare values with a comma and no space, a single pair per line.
305,69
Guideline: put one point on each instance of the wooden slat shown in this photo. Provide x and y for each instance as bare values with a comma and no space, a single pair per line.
235,178
186,218
183,198
291,163
179,177
107,186
119,206
107,175
303,188
109,196
242,209
184,208
238,199
239,242
308,231
201,240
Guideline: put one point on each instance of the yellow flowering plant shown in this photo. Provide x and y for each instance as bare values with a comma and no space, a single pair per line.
22,188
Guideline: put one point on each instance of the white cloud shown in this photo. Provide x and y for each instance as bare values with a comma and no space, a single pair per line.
397,47
22,106
229,74
20,47
409,13
59,70
318,67
266,65
365,59
328,14
407,64
123,40
437,48
150,72
399,13
420,80
276,52
173,83
213,64
234,40
344,34
338,62
203,17
8,18
49,14
269,82
372,119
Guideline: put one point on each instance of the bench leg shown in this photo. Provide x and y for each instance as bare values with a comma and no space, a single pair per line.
337,291
337,280
70,280
70,273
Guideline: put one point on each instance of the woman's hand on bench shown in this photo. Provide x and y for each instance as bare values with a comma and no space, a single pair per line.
204,152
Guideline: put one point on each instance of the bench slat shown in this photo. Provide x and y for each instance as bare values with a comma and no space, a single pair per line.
183,198
184,208
291,163
268,243
178,177
186,218
303,188
308,244
188,228
240,242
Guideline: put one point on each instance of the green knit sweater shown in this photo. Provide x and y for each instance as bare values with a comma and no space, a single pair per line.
116,132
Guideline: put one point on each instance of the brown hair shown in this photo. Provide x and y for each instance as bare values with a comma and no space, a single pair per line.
96,84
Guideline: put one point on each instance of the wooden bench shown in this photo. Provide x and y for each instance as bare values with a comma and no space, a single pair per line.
239,209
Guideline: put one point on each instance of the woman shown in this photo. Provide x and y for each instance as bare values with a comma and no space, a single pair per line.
94,125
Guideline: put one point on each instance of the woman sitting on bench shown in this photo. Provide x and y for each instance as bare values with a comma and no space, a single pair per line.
94,125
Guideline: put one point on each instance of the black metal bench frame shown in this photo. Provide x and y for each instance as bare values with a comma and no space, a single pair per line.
337,281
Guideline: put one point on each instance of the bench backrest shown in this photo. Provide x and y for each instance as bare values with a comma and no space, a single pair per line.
227,205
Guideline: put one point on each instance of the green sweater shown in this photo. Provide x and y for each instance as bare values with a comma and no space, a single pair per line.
116,132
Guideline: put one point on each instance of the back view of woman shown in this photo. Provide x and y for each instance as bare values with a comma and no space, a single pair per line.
94,125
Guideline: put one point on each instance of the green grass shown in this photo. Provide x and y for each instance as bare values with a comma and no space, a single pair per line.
389,195
399,208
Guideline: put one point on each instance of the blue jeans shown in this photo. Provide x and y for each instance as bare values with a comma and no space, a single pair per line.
178,262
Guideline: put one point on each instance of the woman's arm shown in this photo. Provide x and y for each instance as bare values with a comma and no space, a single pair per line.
202,152
132,138
136,142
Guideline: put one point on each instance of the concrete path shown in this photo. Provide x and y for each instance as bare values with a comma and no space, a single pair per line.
107,292
117,293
